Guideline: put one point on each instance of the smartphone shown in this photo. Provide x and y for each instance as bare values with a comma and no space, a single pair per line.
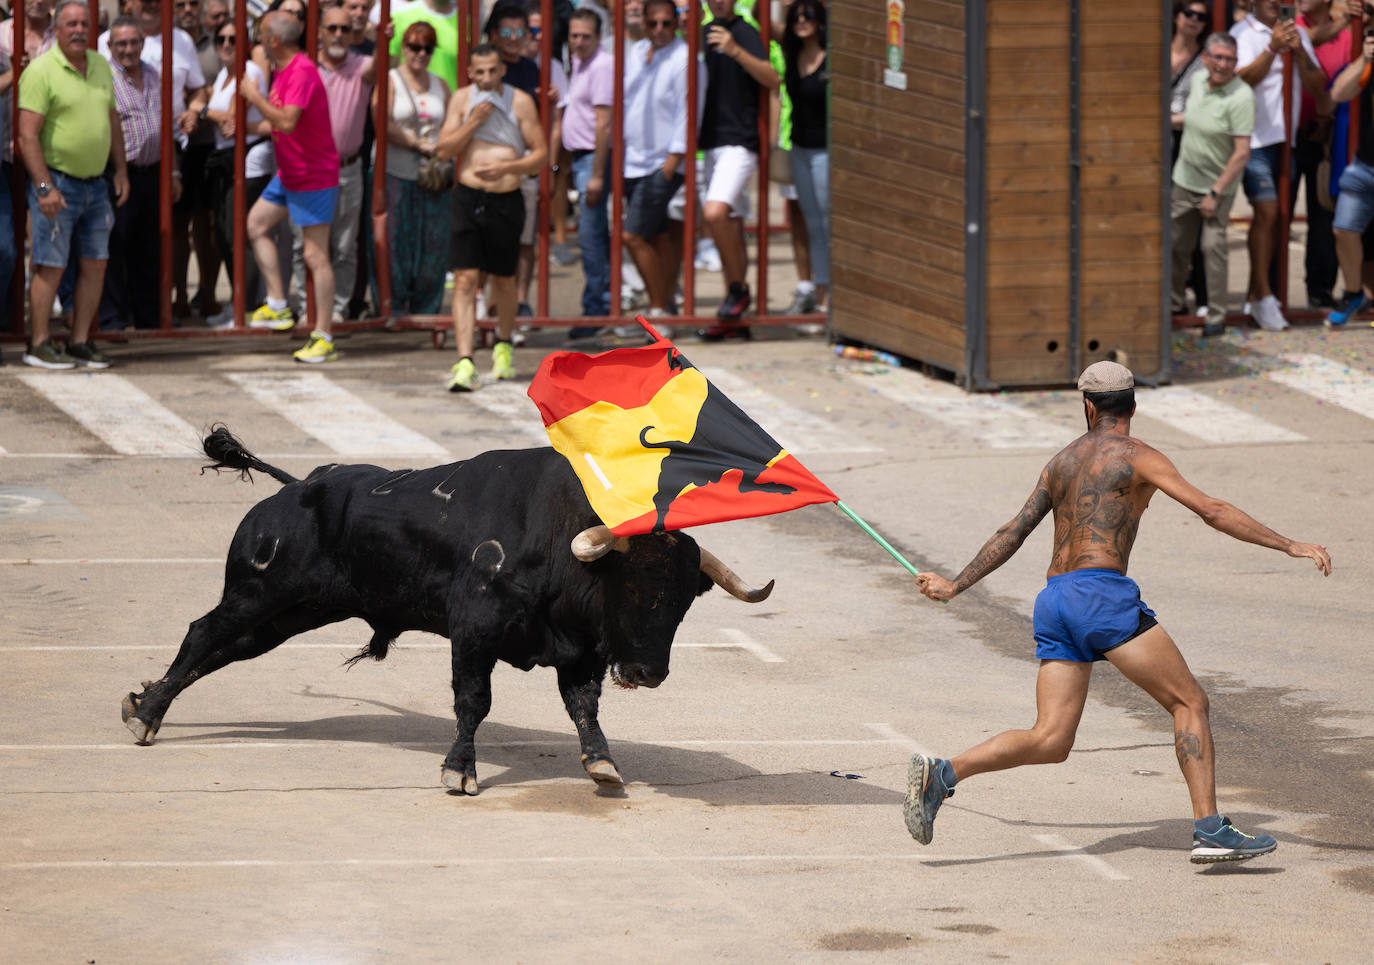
1286,11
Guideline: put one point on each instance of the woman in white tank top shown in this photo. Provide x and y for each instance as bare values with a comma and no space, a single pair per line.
417,225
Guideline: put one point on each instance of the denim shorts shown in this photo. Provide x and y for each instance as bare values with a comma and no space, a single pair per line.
1082,614
306,208
646,203
1355,203
85,222
1261,177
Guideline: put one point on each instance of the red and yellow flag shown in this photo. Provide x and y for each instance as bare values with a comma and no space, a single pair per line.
658,447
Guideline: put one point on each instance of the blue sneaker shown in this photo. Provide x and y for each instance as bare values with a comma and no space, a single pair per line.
1226,843
1347,308
929,780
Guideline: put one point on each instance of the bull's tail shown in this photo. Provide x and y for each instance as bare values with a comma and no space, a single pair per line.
376,648
228,453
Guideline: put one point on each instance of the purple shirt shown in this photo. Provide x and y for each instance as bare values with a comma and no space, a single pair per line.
140,114
592,85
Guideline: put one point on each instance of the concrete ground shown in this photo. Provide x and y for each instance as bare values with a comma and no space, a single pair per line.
291,811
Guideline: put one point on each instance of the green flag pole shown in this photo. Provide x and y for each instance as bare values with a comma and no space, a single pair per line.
872,532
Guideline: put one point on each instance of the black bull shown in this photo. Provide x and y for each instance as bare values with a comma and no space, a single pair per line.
477,551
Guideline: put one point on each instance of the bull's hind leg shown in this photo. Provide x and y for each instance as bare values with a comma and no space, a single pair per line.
581,690
471,703
228,633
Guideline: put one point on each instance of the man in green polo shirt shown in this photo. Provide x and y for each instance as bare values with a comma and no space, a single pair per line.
68,132
1211,157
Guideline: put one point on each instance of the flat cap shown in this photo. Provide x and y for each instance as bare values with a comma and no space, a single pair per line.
1106,377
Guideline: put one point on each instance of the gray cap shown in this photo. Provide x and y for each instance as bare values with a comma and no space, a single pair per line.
1106,377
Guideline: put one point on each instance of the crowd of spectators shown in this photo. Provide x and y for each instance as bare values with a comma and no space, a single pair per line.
301,216
1227,102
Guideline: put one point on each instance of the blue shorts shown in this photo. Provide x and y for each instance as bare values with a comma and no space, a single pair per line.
1261,177
1355,203
306,208
84,223
1082,614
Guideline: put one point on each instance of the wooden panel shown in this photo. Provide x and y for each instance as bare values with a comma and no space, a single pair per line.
897,171
889,144
874,212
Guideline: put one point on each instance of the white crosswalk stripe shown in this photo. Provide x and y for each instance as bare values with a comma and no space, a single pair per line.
1207,418
795,430
118,412
508,402
333,415
1320,377
984,419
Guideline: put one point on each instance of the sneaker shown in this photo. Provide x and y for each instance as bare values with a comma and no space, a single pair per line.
1321,300
707,256
929,780
318,349
464,377
803,303
724,332
1226,843
89,356
735,303
564,255
264,317
1347,308
1269,316
523,310
46,355
225,318
809,329
502,363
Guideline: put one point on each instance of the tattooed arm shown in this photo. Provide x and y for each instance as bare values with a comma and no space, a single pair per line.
996,551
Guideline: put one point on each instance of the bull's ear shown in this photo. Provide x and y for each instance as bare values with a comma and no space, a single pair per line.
705,584
489,556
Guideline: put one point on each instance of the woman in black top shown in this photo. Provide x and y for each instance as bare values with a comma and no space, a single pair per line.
807,76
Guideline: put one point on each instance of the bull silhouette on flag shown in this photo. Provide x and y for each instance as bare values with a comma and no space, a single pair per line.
658,447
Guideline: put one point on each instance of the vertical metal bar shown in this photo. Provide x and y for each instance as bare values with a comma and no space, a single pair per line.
1285,181
312,38
762,216
1220,20
18,185
165,162
1166,182
1075,353
616,153
975,195
239,252
545,108
689,161
381,247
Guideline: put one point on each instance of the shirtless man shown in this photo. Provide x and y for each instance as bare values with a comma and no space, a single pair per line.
1098,487
495,130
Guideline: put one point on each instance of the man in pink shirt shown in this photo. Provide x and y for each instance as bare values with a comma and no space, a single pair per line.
306,184
348,77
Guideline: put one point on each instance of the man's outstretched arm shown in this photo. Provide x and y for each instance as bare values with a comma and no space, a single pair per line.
1156,468
997,550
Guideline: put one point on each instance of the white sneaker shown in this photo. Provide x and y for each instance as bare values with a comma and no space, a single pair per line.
707,257
1269,316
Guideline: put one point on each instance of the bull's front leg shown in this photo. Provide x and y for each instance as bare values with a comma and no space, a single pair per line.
581,690
471,703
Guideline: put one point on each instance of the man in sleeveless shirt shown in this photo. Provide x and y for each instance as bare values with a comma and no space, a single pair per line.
495,130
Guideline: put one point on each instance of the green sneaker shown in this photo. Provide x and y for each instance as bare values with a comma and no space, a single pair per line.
502,363
264,317
318,349
89,356
464,377
47,355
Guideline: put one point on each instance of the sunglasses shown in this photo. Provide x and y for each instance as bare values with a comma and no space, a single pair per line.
426,49
534,31
660,23
337,28
186,4
803,14
225,40
1199,16
511,33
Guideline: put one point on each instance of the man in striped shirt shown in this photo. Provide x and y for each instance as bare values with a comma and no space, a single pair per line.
131,277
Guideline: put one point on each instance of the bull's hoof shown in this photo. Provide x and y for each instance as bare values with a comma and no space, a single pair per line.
128,710
603,772
460,782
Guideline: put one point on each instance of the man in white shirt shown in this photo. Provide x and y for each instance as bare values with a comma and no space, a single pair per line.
1260,40
655,137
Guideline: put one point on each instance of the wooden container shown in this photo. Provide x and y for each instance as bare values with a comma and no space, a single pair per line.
1005,216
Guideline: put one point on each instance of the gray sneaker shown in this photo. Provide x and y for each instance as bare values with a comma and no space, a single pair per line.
929,780
47,355
89,356
803,303
564,255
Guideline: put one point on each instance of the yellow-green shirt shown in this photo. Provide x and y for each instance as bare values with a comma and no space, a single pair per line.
76,110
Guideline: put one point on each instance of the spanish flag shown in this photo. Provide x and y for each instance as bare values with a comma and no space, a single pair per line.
658,447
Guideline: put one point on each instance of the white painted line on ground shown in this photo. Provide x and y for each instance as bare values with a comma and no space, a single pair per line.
891,735
986,420
188,742
112,561
741,640
119,413
795,430
1318,376
333,415
1078,854
77,455
1206,418
508,402
440,861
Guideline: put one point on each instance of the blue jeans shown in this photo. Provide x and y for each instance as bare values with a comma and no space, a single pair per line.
82,226
1355,203
811,177
594,238
1261,176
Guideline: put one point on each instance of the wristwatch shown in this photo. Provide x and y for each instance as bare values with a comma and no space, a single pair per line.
1213,193
43,189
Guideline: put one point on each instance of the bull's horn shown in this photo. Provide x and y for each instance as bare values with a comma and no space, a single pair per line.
595,542
729,582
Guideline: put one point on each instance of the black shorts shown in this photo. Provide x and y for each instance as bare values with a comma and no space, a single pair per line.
646,203
195,185
486,230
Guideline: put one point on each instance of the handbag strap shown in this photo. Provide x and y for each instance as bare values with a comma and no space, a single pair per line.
414,107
